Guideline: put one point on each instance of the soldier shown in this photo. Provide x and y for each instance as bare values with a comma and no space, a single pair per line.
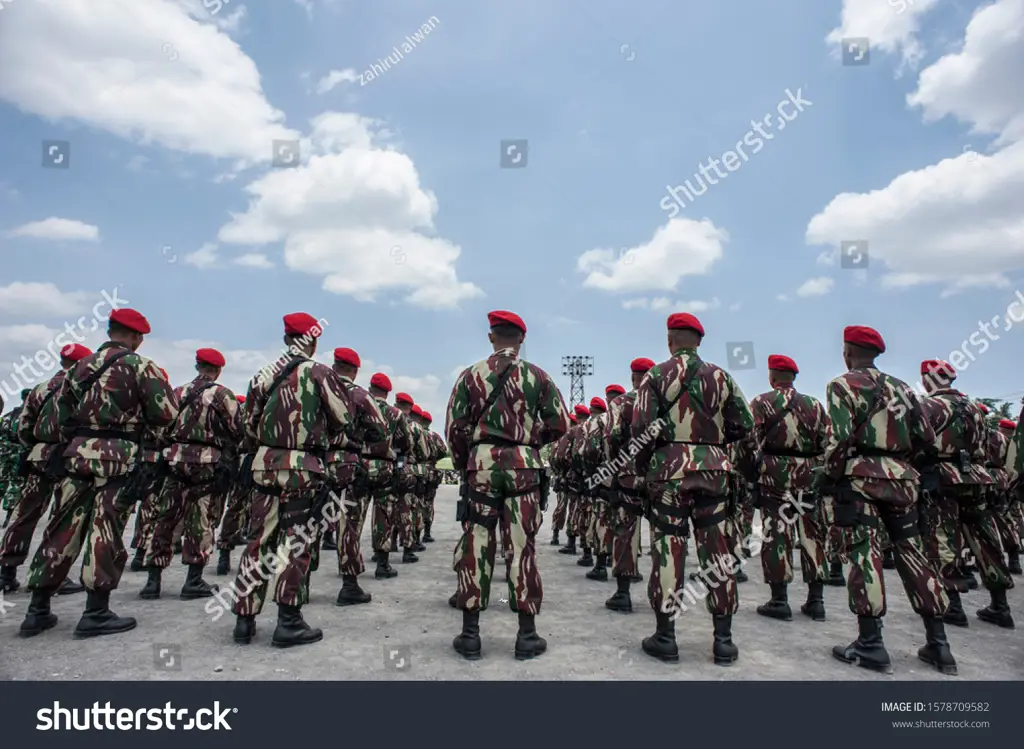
348,473
407,503
574,481
588,499
627,490
438,451
36,428
740,454
1008,517
154,441
501,410
382,460
200,464
600,477
956,482
876,425
420,467
235,514
293,411
790,430
693,409
10,457
104,403
559,484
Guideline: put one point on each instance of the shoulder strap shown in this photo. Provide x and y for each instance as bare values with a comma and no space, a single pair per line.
773,422
283,375
683,388
88,382
492,398
192,398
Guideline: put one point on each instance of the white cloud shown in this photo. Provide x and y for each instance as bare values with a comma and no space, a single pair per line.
890,25
146,71
782,297
815,286
57,229
42,300
635,304
32,335
332,79
253,260
204,257
680,248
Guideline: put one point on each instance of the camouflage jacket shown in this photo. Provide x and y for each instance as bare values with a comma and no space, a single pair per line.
620,448
956,430
528,413
1015,454
130,395
154,442
896,433
693,434
787,450
397,439
209,424
367,427
10,447
38,429
293,426
437,447
420,453
560,453
997,446
589,451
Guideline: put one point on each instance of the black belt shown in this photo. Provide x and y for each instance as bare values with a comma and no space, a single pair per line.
873,452
499,442
105,434
792,453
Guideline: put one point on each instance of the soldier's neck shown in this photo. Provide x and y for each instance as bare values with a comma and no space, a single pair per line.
685,350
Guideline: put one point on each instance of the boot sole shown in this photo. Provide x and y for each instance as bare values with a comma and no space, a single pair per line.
725,661
384,577
34,632
780,617
88,635
278,644
855,661
521,656
620,609
965,622
1001,625
242,640
947,670
196,596
149,597
814,617
470,656
662,657
348,602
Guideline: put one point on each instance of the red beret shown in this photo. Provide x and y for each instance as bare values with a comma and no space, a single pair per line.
937,366
582,410
982,406
210,356
426,415
1007,424
382,381
405,398
782,364
641,365
240,398
685,321
75,352
572,418
130,319
861,335
617,389
347,356
503,317
598,404
299,323
417,411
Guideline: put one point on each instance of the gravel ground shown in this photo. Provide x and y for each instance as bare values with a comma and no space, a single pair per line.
406,633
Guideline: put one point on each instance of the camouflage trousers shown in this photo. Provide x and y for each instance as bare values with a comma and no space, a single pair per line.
584,514
572,518
350,556
893,503
387,519
428,507
787,524
1009,520
519,519
90,515
190,494
147,513
25,515
964,506
625,533
419,508
599,526
281,537
561,510
711,517
232,529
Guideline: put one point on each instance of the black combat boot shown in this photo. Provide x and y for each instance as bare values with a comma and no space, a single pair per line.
815,606
997,612
38,618
936,651
888,561
662,644
587,560
417,546
528,643
384,570
724,650
427,538
554,538
955,614
408,557
741,576
151,590
570,547
69,588
224,562
967,573
195,586
868,650
9,579
351,593
292,629
835,573
375,557
621,601
138,561
778,605
330,542
454,600
600,571
98,619
467,643
1013,559
637,578
245,629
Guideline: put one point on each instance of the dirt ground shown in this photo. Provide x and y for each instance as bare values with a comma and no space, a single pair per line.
406,632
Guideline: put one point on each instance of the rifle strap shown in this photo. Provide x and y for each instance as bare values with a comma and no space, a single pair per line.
86,385
684,387
189,401
492,397
773,422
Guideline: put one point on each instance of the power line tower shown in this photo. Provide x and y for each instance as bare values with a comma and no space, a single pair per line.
576,368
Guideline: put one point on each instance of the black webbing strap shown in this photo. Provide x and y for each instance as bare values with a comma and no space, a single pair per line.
86,385
657,509
684,387
903,527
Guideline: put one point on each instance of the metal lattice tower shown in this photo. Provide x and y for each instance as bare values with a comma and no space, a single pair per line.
576,368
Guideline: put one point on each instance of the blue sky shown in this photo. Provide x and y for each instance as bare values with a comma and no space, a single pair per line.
170,112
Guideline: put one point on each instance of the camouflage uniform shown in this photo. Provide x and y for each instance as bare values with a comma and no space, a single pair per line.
588,500
789,438
438,450
592,453
561,496
688,483
497,451
382,473
958,491
1003,507
572,482
200,465
101,428
10,452
153,443
417,498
